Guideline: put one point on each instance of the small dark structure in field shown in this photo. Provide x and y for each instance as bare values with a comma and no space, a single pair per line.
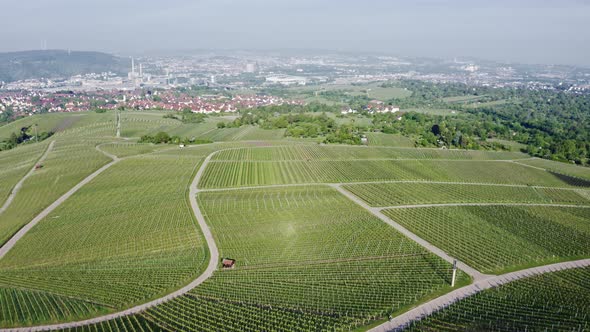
228,263
38,166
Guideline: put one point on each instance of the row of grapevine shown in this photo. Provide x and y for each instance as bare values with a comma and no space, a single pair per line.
328,152
125,238
406,193
558,301
496,238
222,174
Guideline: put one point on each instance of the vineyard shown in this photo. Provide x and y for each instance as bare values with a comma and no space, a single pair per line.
223,174
14,164
129,233
67,164
569,169
360,271
558,301
322,249
493,239
410,193
320,152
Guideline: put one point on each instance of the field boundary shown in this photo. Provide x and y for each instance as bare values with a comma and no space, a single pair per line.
20,183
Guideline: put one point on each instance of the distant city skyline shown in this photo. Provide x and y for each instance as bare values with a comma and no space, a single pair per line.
545,32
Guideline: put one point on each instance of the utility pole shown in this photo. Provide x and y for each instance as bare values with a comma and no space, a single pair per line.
36,133
454,273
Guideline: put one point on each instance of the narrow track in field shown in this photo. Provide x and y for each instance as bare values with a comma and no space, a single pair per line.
481,281
19,185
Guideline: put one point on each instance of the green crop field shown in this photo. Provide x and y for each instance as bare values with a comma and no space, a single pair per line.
222,174
309,256
558,301
563,168
14,164
407,193
498,238
129,233
66,165
361,271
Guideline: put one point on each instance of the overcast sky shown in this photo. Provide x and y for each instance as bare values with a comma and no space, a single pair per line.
527,31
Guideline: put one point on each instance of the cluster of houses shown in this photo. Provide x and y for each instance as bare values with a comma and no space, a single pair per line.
374,106
28,103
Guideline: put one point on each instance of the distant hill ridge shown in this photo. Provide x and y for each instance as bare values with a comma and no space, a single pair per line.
15,66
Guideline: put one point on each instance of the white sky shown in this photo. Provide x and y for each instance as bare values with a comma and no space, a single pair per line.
528,31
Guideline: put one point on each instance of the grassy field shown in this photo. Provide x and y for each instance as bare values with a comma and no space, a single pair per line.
498,238
390,194
129,233
556,301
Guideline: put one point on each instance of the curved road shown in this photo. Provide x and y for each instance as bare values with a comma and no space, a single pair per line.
19,185
481,281
213,252
428,308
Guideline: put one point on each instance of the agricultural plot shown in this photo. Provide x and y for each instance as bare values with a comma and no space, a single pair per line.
408,193
494,239
126,149
342,152
138,124
223,174
558,167
305,254
15,163
68,163
55,122
557,301
380,139
32,307
135,323
129,233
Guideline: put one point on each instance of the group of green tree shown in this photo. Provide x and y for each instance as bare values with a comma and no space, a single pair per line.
23,137
164,138
187,116
309,121
553,124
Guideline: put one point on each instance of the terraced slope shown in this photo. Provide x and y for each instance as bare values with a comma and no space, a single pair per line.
558,301
498,238
129,233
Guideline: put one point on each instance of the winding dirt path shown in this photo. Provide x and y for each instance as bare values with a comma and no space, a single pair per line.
213,252
19,185
25,229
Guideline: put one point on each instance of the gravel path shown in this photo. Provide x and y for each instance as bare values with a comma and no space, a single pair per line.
25,229
428,308
417,206
481,281
19,185
476,275
213,252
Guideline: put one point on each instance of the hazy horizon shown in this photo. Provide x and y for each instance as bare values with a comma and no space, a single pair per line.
543,32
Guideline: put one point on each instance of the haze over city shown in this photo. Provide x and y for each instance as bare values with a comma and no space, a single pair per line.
546,32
